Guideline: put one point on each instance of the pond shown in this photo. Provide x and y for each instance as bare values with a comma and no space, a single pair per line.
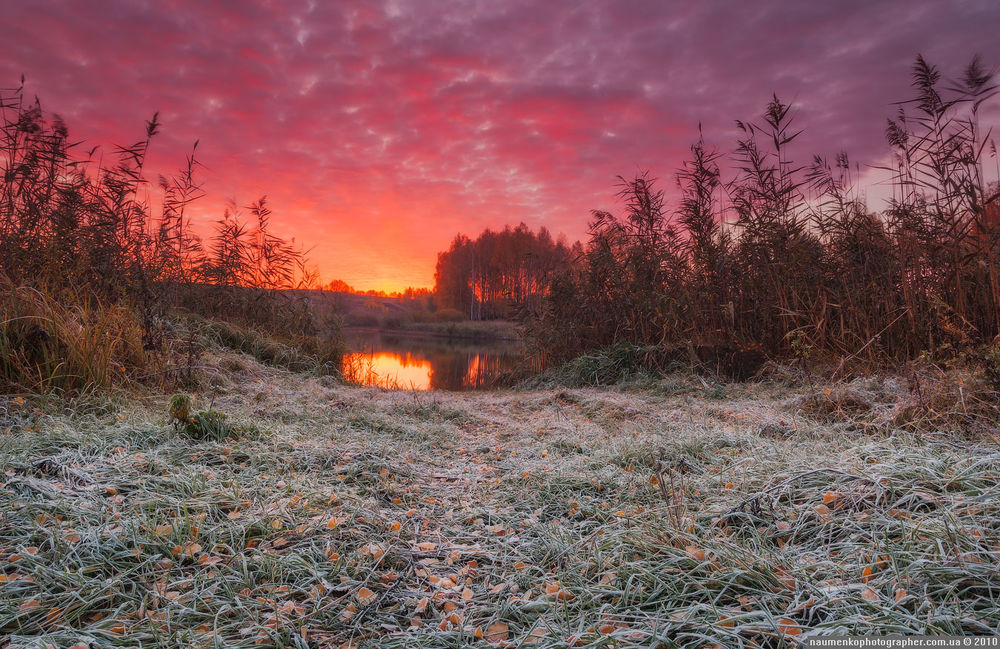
419,362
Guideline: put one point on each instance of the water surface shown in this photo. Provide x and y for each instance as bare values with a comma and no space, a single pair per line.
413,362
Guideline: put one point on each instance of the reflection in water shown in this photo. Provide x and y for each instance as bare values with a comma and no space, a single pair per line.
412,363
389,370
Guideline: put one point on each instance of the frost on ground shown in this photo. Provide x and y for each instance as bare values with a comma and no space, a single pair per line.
678,514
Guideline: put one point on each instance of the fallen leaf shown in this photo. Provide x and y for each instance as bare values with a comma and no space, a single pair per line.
497,632
365,596
789,627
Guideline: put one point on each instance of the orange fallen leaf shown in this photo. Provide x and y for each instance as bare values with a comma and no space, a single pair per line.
535,636
695,553
497,632
869,595
366,596
866,574
789,627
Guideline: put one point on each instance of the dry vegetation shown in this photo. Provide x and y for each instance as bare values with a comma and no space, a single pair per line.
92,274
786,260
663,512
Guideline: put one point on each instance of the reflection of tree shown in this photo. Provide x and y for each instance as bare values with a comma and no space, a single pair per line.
469,370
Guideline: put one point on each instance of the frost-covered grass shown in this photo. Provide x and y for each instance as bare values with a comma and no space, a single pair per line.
675,513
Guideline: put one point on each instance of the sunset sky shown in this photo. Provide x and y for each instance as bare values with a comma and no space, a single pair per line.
380,129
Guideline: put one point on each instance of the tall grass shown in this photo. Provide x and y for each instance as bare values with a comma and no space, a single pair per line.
46,344
89,267
787,259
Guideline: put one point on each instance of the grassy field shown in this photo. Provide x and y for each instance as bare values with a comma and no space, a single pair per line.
675,512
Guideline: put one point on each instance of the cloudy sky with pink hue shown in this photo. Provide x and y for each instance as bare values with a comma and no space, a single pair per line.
380,129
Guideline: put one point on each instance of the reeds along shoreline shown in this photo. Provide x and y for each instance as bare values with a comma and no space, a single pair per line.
89,270
787,260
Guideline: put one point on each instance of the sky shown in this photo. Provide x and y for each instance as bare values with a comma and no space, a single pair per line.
379,130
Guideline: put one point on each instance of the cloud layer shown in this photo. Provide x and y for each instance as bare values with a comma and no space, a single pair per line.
379,130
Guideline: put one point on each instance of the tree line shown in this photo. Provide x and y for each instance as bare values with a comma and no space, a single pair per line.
499,272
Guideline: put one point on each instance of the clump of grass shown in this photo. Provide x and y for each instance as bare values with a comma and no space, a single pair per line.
951,399
199,425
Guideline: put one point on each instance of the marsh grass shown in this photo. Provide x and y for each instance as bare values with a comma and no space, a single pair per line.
381,518
786,261
90,269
